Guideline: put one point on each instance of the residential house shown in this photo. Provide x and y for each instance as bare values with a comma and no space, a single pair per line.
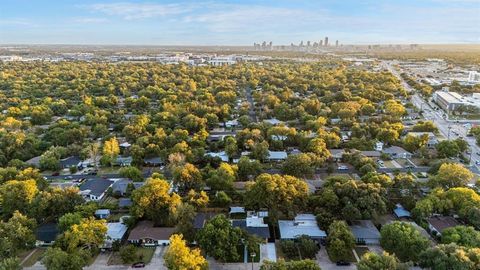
396,152
273,121
46,234
253,225
95,189
72,161
222,155
438,224
102,213
303,224
365,232
35,161
146,234
401,212
231,123
276,156
120,186
201,219
337,154
124,202
123,161
153,162
115,232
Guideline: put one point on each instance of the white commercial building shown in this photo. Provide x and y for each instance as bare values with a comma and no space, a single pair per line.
451,101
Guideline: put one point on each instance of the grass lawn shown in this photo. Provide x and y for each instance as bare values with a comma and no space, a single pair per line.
107,170
37,254
361,250
350,258
146,255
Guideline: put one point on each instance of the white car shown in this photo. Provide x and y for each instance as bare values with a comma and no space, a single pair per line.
343,167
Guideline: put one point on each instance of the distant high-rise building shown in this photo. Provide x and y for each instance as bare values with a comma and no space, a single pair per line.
270,44
336,43
308,43
301,44
326,42
264,44
315,44
320,43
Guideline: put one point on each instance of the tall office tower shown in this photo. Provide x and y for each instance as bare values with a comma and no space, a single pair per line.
264,44
301,44
315,44
308,43
320,43
326,42
336,43
270,44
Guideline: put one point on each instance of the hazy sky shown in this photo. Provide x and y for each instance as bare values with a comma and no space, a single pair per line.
238,22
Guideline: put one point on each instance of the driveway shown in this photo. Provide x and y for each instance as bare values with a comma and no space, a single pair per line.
157,262
325,263
268,252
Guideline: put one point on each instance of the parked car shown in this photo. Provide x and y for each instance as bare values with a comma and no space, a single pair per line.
343,263
55,174
343,167
138,265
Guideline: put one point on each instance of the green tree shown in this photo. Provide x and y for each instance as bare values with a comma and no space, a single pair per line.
403,240
340,241
89,233
447,149
248,167
131,172
451,257
186,216
66,221
128,253
299,165
57,259
10,264
465,236
220,240
374,261
291,265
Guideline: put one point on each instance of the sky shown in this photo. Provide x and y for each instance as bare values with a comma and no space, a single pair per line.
213,22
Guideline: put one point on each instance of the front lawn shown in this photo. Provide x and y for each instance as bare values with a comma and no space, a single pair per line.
144,254
36,255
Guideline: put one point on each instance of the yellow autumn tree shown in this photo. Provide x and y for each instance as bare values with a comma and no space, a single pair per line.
180,257
111,149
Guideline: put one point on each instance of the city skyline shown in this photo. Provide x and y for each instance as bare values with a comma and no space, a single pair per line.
233,23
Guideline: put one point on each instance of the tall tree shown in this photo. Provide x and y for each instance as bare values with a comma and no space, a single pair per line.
340,241
180,257
403,240
154,201
111,149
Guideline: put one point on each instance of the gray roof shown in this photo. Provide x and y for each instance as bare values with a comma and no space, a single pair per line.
96,186
153,160
124,202
122,185
201,218
70,161
364,229
304,224
35,161
395,150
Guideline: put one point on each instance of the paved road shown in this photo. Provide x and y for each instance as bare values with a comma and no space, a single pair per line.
251,112
450,129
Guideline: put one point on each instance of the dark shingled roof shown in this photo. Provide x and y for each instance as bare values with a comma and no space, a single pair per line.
146,230
202,218
442,223
262,232
47,232
96,186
